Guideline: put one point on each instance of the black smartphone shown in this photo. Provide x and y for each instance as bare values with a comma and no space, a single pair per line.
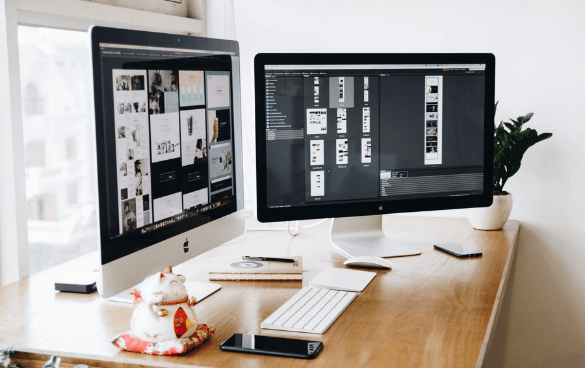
457,250
268,345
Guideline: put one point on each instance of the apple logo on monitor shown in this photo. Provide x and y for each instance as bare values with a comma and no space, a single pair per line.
186,245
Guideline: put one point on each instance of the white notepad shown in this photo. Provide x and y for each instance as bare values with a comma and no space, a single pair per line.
342,279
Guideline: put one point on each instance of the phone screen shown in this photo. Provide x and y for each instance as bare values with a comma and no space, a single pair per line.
271,345
458,250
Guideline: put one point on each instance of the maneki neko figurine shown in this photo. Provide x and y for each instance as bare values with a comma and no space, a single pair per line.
163,311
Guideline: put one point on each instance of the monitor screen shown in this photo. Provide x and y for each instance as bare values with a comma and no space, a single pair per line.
167,134
338,134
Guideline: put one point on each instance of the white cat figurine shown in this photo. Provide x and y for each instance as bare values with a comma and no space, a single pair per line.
164,311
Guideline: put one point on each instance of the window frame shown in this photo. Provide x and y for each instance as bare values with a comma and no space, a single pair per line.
75,15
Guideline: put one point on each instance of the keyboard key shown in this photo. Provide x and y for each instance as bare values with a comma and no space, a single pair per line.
298,305
313,312
335,312
310,310
325,311
302,311
283,308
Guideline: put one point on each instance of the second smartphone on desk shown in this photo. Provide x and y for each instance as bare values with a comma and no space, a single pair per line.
458,250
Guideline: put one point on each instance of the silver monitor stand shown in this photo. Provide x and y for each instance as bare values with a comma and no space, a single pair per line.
363,236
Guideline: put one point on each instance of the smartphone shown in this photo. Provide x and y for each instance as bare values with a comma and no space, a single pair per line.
458,250
268,345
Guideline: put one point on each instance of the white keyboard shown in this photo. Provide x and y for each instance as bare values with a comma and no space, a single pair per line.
310,310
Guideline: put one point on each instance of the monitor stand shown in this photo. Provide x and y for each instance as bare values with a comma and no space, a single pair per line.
363,236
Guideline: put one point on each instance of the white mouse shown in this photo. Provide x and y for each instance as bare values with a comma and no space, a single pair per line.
368,261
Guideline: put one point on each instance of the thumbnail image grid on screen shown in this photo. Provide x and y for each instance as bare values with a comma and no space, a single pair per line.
371,135
174,147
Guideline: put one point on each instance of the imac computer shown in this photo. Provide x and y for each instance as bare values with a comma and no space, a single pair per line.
355,136
168,148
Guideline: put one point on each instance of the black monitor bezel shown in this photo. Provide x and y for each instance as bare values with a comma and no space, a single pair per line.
112,249
265,214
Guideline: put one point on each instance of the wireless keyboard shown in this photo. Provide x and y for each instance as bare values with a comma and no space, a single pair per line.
311,310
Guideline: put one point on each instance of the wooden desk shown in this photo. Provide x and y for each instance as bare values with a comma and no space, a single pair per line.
430,310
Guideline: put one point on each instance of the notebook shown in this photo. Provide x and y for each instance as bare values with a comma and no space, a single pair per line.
238,269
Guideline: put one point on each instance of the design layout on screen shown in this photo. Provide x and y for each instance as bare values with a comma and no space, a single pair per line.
220,136
317,121
354,133
132,152
192,91
173,138
341,121
317,152
218,90
193,136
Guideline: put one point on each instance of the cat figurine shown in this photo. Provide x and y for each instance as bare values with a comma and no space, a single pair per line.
163,309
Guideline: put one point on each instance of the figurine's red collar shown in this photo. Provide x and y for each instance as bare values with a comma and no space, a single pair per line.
184,300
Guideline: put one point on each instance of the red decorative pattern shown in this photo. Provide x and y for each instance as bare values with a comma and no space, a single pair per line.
180,322
137,297
129,342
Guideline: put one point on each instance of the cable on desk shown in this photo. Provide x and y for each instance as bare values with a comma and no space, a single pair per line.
287,228
296,228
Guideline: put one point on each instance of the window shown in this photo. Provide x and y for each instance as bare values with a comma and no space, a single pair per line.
70,148
32,104
53,68
35,154
72,193
42,208
57,121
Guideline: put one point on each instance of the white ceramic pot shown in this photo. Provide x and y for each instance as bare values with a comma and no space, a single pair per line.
493,217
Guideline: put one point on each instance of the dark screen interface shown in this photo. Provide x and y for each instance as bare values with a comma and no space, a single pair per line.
169,135
355,133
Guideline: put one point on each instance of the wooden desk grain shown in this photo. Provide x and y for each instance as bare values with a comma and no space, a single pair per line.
432,310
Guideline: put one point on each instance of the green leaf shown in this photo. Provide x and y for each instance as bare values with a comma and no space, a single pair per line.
510,126
513,168
510,147
543,136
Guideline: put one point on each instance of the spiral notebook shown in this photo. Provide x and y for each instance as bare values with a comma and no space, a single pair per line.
238,269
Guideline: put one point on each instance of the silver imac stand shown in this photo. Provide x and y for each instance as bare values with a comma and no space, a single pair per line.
363,236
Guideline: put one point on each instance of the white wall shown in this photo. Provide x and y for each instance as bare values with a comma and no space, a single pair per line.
540,60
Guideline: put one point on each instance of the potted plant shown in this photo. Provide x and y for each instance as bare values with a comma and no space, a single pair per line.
509,147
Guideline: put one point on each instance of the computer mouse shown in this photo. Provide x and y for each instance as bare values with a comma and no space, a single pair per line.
369,262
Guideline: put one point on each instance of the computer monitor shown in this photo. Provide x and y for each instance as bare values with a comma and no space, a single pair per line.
355,136
168,148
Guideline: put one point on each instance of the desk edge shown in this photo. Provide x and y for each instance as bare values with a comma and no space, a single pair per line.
489,334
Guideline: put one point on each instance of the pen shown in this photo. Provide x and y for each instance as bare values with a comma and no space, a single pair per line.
249,258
